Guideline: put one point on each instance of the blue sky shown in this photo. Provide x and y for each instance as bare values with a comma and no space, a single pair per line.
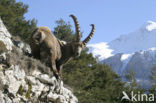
111,17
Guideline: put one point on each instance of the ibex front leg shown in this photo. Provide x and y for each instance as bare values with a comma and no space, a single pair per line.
60,71
59,66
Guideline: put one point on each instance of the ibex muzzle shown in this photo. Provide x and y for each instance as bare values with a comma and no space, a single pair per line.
54,52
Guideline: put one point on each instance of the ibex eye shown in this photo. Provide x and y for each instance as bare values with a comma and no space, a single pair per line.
37,38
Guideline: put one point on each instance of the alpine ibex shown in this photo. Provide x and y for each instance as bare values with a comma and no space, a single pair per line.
54,52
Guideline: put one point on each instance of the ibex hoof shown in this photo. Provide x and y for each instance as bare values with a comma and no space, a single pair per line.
57,76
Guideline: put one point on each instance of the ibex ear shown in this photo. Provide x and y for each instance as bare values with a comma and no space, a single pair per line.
39,37
42,36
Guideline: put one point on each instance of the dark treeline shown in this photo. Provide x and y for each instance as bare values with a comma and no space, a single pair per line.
12,14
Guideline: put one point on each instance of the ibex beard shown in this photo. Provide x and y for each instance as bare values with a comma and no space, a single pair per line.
54,52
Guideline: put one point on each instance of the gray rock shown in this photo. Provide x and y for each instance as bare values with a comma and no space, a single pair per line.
5,41
40,85
22,46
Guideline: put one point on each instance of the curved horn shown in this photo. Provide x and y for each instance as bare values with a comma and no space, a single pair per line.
90,35
78,35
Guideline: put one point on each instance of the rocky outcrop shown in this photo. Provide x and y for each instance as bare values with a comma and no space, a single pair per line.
25,48
24,79
5,42
17,87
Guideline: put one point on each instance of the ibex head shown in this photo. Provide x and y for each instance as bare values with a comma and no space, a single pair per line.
78,45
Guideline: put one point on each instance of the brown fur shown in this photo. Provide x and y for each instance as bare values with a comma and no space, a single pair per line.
52,51
46,49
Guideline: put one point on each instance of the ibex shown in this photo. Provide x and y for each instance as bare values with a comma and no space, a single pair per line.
54,52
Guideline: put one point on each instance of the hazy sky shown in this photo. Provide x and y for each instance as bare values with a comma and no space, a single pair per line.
111,17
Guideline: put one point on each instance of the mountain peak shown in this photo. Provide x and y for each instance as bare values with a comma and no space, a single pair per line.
148,26
151,25
141,39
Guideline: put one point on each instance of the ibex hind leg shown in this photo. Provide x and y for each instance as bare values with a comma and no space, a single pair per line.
54,69
59,69
56,74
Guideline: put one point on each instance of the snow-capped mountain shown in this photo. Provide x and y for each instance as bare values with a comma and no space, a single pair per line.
142,39
136,51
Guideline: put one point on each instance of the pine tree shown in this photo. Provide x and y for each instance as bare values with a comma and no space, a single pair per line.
152,90
63,30
12,14
130,76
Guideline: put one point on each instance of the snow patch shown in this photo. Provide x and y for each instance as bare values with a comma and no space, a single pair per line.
125,56
151,26
153,49
100,50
